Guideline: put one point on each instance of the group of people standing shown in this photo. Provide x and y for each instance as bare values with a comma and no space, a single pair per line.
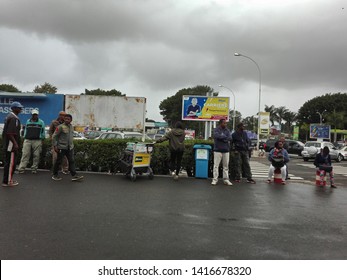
239,143
60,132
224,141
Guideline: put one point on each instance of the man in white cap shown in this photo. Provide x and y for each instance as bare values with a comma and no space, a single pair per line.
34,134
11,140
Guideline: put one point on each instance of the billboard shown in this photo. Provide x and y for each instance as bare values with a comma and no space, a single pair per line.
119,112
296,133
204,108
319,131
264,118
48,105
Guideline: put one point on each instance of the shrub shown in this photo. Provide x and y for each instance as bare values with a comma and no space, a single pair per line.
104,155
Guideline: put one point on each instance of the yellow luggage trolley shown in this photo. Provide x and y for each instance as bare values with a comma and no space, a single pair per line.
136,160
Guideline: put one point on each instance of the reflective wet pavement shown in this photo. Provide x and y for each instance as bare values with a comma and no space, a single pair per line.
110,217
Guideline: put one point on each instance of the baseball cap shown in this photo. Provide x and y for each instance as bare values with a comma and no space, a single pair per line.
34,111
16,104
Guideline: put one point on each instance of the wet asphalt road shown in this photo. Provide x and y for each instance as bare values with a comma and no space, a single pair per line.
110,217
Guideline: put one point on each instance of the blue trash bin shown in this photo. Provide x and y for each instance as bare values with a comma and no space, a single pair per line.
202,155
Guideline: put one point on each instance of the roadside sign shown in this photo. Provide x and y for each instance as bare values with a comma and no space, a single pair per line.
319,131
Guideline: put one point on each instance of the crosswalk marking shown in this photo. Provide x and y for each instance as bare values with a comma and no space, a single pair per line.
261,170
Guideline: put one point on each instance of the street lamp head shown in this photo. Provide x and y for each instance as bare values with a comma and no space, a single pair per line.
237,54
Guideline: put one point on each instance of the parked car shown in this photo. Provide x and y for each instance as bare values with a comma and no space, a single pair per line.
313,147
78,135
154,136
122,135
343,153
92,134
294,146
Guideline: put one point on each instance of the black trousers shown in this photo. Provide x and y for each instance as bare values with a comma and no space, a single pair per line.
70,158
176,160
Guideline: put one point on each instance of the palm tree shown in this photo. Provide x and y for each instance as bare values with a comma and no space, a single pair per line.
280,114
290,118
272,110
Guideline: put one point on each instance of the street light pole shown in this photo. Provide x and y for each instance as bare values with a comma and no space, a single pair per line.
238,54
321,116
234,114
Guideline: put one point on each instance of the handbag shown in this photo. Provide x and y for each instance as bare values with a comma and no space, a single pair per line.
326,168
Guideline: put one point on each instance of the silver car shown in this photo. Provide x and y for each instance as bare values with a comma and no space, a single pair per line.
122,135
312,148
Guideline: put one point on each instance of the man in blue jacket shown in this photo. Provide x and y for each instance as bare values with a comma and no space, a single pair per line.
222,137
34,134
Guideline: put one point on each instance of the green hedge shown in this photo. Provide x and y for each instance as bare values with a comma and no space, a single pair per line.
103,155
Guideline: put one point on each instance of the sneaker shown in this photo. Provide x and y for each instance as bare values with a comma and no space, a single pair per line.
237,181
56,178
251,181
66,172
333,186
227,182
10,184
77,178
21,171
214,182
175,177
173,173
283,182
269,181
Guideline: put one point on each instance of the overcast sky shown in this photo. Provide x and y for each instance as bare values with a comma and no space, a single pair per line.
153,48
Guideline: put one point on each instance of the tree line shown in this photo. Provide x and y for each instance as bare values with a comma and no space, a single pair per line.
51,89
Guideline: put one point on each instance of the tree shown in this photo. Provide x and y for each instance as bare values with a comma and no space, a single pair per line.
8,88
289,118
45,88
336,120
280,114
272,110
308,111
171,107
251,123
112,92
238,118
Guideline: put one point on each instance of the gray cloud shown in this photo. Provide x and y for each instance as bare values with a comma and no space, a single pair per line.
163,46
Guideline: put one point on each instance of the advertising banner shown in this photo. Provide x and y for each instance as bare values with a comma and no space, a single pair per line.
48,105
264,120
264,123
296,133
319,131
203,108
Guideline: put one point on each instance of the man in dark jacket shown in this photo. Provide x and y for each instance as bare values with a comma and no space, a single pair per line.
10,144
176,145
62,142
323,164
241,143
221,136
52,128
